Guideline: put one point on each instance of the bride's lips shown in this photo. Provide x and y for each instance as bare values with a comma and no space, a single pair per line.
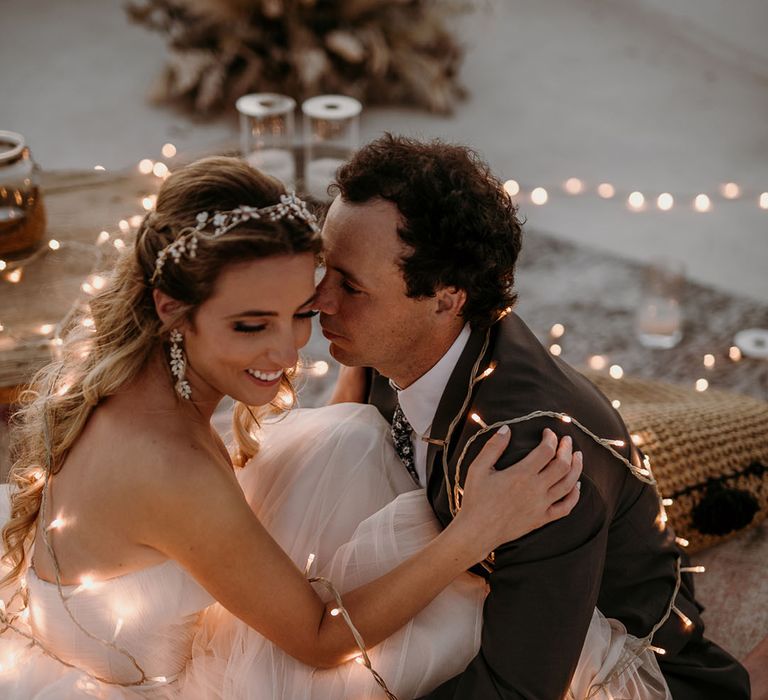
262,382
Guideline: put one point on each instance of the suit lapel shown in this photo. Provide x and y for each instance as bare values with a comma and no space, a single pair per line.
452,400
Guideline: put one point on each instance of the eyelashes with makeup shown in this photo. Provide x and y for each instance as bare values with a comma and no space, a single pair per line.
245,328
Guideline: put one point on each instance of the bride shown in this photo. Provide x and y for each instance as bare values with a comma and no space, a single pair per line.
145,560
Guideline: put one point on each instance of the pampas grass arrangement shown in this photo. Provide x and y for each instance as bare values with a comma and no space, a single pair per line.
379,51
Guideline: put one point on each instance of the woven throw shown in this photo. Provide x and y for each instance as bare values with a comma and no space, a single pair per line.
708,451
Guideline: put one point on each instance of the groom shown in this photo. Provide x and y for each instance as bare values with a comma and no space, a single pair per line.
421,245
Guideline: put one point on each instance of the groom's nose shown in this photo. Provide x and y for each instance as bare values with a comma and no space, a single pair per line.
327,297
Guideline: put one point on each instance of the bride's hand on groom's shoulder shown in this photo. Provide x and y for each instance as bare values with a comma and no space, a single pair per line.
502,505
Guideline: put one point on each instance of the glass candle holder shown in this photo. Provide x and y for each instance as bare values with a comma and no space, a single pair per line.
331,136
22,215
267,132
659,317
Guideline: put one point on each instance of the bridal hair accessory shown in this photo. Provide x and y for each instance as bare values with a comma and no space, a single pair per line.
290,207
179,365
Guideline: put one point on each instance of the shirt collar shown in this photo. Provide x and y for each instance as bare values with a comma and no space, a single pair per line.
419,401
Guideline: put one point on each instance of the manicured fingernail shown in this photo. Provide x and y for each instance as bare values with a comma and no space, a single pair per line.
567,440
578,455
503,430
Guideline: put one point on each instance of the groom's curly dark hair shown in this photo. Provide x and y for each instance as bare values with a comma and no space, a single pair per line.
459,223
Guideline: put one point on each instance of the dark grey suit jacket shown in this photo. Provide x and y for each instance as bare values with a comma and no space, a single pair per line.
609,552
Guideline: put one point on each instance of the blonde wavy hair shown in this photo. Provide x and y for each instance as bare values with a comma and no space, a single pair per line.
96,362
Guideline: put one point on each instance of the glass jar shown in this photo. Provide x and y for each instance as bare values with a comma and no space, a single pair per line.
22,215
267,131
331,136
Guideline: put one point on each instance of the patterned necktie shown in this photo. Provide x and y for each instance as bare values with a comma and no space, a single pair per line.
401,436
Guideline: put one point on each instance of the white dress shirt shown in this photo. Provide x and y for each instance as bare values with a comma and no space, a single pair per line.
419,401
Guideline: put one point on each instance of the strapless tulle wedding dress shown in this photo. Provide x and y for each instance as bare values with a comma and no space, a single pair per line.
326,482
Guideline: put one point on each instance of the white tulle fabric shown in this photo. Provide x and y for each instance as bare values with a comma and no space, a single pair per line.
326,482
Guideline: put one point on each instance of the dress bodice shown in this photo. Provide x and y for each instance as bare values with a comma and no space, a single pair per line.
151,613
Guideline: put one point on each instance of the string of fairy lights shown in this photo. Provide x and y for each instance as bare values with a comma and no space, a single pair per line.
635,200
643,473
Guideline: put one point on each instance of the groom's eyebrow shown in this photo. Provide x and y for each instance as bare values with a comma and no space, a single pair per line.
256,312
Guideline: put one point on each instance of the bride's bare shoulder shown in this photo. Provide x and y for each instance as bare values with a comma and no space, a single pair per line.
145,453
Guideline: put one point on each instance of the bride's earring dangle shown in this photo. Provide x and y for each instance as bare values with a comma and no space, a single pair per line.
179,365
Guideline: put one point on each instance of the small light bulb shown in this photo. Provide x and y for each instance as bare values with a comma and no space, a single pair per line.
168,150
709,361
145,166
123,225
15,276
616,371
702,203
616,404
557,331
103,237
573,185
55,524
53,244
763,201
636,439
46,328
149,201
657,650
685,619
734,353
119,243
135,220
488,371
616,443
606,190
665,201
539,196
702,384
667,501
512,188
555,349
360,660
320,368
3,265
160,169
566,418
335,612
682,541
636,201
730,190
475,417
598,361
694,569
99,167
87,582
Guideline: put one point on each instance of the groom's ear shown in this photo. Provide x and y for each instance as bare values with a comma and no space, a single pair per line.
450,300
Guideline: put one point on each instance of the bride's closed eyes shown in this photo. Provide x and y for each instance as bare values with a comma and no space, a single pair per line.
240,327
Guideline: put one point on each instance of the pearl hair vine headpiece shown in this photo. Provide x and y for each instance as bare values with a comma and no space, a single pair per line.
290,207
